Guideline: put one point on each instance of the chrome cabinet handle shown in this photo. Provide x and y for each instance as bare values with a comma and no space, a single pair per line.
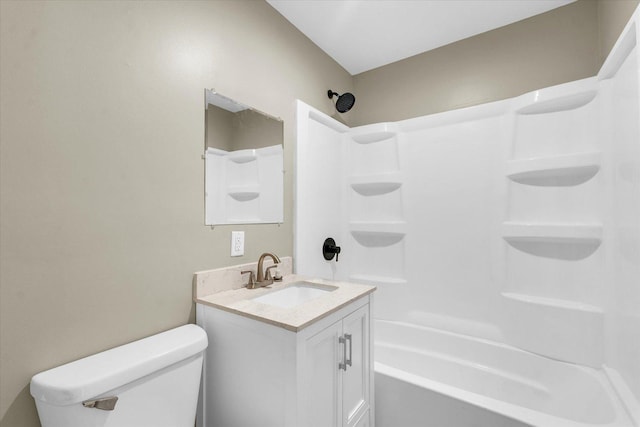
346,361
348,338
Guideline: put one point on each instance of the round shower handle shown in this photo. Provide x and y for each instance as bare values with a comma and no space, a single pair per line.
329,249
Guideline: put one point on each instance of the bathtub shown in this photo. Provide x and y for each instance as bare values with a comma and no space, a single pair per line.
427,377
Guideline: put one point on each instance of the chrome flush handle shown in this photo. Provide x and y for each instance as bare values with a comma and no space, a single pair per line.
105,403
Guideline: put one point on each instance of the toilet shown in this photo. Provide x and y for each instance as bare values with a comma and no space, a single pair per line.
153,382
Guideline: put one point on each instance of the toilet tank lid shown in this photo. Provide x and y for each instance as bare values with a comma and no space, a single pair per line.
97,374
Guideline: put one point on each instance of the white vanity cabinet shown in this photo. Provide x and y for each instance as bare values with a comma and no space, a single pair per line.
258,374
335,370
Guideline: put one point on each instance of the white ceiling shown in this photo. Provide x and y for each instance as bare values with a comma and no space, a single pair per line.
365,34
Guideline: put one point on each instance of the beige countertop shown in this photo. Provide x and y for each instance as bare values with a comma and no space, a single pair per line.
240,301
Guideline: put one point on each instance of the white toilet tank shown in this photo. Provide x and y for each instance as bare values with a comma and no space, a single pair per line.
155,380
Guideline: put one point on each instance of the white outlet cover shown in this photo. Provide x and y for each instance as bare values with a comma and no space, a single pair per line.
237,243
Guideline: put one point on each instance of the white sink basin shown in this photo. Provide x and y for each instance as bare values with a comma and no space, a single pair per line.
295,294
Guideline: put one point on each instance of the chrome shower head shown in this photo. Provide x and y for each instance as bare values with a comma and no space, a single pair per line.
345,101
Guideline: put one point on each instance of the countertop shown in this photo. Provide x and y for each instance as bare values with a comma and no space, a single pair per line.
240,301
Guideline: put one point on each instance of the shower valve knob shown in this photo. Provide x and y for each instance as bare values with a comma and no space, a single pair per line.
329,249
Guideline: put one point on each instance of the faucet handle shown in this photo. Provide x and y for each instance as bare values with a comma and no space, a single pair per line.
252,278
330,249
268,275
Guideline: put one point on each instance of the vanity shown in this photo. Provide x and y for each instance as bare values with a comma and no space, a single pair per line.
294,354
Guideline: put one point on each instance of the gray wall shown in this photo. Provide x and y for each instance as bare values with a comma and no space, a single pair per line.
559,46
613,15
238,131
547,49
102,181
102,132
255,130
219,128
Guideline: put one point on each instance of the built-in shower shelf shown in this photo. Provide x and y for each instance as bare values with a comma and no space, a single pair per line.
243,193
377,234
382,227
373,133
552,233
244,196
376,184
242,156
370,279
553,302
563,170
249,219
557,98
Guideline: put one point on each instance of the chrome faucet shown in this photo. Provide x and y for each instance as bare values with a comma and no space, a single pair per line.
264,277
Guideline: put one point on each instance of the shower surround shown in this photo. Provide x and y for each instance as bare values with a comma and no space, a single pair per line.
515,224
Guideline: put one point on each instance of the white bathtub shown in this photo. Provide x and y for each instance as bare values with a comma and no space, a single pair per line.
431,378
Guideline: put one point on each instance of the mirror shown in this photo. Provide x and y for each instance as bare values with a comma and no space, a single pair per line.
243,164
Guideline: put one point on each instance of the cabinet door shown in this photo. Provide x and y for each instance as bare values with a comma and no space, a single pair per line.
355,397
322,378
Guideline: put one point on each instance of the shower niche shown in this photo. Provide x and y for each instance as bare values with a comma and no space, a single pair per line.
555,171
376,225
554,224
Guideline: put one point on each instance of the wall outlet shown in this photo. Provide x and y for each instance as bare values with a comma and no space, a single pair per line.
237,243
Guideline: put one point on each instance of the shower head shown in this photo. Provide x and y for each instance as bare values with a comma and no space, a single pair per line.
345,101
